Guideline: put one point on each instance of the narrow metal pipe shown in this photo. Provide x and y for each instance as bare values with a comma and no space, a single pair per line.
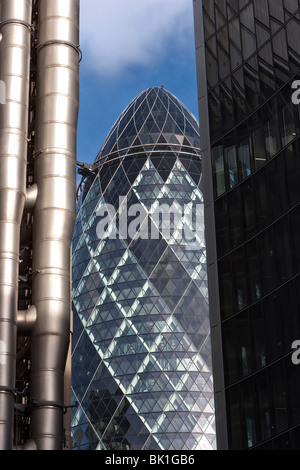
31,197
54,213
15,20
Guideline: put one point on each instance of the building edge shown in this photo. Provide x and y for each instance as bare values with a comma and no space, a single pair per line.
209,217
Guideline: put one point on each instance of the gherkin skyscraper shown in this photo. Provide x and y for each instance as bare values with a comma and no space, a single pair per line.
141,349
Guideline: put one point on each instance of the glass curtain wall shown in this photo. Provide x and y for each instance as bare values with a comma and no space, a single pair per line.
141,354
252,59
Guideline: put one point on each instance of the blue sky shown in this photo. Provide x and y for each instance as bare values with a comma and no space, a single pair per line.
128,46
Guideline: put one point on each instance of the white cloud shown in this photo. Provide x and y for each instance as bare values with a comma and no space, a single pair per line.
119,34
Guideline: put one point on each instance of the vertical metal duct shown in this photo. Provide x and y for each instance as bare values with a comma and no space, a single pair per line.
15,21
54,214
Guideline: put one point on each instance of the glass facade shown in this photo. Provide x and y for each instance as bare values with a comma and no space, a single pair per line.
252,56
141,349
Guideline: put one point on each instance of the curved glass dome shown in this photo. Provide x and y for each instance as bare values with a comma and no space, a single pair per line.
141,352
154,116
154,122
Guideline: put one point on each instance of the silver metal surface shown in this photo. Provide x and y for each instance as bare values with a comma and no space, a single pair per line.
15,15
26,320
54,213
31,196
39,72
30,445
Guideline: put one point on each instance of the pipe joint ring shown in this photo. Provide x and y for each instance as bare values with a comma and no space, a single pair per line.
61,43
46,404
9,390
19,22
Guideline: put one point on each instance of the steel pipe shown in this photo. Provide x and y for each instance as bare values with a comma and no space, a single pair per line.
31,196
54,213
30,445
26,320
15,20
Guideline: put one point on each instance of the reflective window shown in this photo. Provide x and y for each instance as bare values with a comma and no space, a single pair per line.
262,202
222,226
244,158
266,246
277,187
219,170
215,114
272,129
253,54
231,162
293,243
223,52
239,279
266,69
236,218
253,272
292,164
279,397
248,208
226,287
258,142
248,31
288,122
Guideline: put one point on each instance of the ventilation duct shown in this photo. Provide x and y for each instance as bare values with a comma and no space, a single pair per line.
39,71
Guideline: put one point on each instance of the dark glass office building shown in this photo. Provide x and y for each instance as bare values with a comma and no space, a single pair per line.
248,59
141,350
